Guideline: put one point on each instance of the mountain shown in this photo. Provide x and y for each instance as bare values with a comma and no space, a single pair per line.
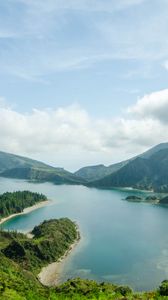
14,166
154,150
145,171
93,173
148,171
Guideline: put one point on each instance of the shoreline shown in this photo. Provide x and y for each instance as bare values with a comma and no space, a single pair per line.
50,275
25,211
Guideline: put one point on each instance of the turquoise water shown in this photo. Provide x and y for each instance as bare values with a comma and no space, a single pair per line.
122,242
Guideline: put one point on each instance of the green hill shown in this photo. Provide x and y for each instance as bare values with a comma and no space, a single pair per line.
50,241
93,173
141,173
14,166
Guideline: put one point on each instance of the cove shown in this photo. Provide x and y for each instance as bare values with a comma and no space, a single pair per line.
122,242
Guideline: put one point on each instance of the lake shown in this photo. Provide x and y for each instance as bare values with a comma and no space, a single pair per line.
122,242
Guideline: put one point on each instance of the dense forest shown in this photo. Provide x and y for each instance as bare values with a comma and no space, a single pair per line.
21,258
11,203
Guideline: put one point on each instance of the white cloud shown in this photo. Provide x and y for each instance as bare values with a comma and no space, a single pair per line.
154,106
71,138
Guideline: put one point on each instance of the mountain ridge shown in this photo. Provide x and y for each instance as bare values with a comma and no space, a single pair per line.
145,171
140,173
94,173
15,166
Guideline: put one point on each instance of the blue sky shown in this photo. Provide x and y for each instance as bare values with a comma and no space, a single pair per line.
96,56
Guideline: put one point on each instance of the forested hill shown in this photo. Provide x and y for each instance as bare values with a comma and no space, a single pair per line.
94,173
50,241
14,166
9,161
141,173
11,203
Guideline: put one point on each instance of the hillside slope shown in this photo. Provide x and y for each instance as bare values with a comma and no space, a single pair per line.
142,173
14,166
93,173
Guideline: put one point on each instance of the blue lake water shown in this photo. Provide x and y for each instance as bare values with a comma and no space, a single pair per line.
122,242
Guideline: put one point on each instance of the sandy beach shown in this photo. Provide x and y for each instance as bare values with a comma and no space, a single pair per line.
50,275
25,211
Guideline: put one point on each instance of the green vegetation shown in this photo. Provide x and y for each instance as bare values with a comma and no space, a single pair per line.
93,173
164,200
140,173
50,241
21,259
56,176
154,199
19,284
16,283
14,166
133,198
147,171
11,203
151,198
163,289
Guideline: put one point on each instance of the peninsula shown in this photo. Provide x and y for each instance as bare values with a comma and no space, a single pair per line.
20,202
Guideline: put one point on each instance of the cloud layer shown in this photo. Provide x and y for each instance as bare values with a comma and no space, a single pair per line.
71,138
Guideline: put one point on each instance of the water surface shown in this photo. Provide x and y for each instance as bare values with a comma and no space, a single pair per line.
122,242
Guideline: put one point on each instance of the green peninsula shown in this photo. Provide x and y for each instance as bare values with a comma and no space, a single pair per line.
16,202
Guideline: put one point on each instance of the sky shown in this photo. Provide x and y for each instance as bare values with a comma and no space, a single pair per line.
83,82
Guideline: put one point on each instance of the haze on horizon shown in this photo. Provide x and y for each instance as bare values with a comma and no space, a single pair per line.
83,82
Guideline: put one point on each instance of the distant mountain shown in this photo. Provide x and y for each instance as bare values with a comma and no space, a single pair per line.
14,166
154,150
148,171
93,173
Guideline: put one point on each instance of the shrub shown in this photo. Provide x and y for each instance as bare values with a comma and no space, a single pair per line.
163,289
